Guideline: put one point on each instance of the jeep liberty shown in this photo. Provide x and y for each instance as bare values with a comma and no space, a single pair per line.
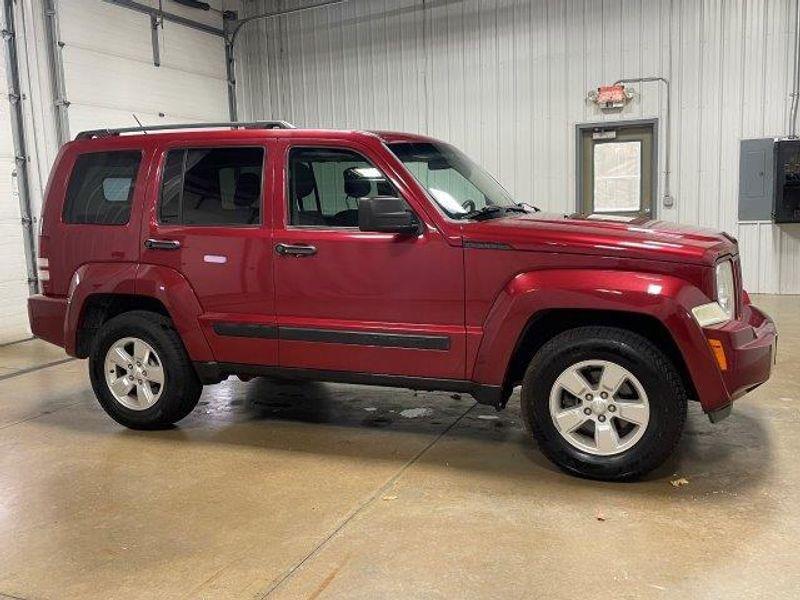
173,259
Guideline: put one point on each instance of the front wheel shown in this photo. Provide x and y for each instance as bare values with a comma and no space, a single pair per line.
141,373
604,403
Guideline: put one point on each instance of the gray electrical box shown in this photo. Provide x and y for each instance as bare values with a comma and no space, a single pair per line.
769,180
756,179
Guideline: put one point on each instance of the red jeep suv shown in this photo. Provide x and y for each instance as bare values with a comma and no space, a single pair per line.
175,259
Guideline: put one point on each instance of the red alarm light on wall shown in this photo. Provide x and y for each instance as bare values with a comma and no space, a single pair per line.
610,96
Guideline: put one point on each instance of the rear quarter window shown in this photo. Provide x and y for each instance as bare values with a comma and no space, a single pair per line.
101,186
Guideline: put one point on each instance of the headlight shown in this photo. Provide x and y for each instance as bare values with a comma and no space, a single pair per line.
724,308
726,291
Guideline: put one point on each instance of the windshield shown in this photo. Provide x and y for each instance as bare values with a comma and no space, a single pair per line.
458,185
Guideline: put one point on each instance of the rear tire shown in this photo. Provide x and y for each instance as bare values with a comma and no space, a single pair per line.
123,351
585,434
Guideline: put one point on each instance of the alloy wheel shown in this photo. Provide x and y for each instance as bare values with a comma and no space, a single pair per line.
599,407
134,373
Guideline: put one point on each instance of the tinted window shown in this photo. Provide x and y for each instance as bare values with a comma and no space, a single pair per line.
325,185
212,186
100,188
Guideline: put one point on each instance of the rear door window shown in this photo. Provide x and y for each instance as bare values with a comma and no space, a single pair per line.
100,189
212,186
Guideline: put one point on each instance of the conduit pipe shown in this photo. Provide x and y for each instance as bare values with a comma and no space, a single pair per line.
667,199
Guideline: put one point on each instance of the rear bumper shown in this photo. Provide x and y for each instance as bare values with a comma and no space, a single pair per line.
749,344
46,315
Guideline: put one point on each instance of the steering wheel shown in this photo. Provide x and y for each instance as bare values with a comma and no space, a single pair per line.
468,205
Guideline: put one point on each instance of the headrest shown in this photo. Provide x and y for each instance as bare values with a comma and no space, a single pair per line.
385,189
248,189
356,186
303,180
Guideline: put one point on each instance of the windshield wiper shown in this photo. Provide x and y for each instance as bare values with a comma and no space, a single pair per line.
528,207
485,212
493,210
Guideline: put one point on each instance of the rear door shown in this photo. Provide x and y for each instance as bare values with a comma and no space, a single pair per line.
354,301
211,223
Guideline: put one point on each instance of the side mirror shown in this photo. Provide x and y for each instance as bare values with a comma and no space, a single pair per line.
387,215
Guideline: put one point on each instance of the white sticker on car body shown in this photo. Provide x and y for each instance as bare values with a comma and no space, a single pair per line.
215,259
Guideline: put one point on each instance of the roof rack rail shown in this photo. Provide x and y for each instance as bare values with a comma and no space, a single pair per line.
106,132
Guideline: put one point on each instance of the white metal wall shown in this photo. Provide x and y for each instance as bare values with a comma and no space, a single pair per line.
506,80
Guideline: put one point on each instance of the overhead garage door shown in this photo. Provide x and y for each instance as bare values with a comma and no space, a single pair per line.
109,76
13,273
109,72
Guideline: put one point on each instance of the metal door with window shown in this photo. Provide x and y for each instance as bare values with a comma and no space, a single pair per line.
355,301
617,169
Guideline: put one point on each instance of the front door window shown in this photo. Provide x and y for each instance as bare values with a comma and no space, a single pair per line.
325,185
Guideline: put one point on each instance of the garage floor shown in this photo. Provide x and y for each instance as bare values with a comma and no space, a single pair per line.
312,490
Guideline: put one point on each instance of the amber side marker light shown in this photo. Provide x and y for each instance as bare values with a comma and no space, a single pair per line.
719,354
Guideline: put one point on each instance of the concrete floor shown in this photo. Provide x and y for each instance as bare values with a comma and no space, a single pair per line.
311,490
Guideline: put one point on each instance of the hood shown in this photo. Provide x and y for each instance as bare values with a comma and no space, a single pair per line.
608,236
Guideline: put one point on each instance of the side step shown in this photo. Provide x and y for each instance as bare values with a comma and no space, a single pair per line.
492,395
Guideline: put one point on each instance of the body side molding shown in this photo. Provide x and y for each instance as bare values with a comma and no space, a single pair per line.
333,336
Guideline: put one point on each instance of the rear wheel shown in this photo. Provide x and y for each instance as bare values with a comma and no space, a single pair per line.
604,403
141,373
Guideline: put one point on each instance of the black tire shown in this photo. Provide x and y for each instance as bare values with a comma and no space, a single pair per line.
656,373
182,388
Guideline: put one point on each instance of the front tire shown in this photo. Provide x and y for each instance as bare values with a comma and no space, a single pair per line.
603,403
141,373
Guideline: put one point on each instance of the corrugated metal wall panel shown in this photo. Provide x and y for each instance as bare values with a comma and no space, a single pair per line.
506,80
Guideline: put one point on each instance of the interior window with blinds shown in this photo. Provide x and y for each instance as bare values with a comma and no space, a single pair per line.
100,190
617,177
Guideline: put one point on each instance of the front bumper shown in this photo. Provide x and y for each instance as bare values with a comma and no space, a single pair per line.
749,345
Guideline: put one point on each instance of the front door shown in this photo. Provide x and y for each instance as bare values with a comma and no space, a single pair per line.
355,301
616,170
211,226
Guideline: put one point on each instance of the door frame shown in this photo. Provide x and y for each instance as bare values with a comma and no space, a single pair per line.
580,128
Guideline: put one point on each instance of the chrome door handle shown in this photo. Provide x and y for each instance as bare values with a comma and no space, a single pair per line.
153,244
297,250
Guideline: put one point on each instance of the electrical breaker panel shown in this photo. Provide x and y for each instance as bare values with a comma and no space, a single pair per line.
769,180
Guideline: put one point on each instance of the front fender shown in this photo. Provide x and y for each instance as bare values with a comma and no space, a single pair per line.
664,297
